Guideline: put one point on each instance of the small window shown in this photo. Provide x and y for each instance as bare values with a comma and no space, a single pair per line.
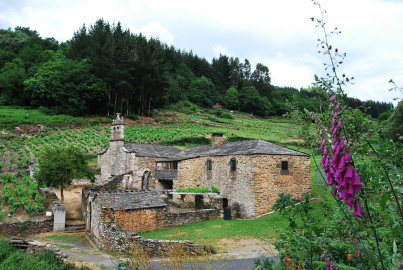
232,165
209,165
284,165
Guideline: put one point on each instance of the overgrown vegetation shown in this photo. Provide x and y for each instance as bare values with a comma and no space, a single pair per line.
12,258
213,189
19,193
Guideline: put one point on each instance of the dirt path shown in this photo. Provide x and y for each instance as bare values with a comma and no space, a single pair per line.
72,201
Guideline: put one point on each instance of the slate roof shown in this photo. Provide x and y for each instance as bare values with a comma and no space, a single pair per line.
248,147
128,200
151,150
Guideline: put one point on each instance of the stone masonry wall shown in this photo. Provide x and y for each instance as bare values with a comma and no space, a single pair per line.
26,227
114,160
181,218
271,181
236,186
141,220
141,165
116,240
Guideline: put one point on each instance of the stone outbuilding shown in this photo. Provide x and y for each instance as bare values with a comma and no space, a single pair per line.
250,174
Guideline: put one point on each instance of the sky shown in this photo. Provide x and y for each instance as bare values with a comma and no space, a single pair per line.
278,34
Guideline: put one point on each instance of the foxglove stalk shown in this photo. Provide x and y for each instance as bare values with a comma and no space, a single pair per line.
338,164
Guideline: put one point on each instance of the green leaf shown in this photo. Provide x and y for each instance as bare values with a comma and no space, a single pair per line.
384,199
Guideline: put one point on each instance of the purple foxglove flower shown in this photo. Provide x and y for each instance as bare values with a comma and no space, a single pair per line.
350,201
357,186
334,130
348,176
335,138
350,191
337,150
342,164
357,211
335,160
358,253
341,196
339,124
338,176
325,152
347,156
355,241
335,115
341,144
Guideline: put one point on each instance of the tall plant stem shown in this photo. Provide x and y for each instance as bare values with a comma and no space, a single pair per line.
348,218
375,234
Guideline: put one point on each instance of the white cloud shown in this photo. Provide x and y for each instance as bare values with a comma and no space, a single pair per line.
157,30
218,49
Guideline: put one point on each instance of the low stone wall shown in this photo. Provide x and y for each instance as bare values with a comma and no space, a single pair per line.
115,240
173,219
37,247
26,227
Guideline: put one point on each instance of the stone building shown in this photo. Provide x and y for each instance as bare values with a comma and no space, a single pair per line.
250,174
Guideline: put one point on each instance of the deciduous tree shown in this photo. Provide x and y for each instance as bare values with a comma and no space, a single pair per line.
60,166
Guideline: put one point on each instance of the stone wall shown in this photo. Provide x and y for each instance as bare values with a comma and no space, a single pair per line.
26,227
139,220
112,183
114,160
140,166
173,219
271,181
116,240
235,186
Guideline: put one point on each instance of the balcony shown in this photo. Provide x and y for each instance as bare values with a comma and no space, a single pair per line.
166,174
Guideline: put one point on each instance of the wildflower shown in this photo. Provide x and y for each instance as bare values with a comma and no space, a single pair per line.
357,210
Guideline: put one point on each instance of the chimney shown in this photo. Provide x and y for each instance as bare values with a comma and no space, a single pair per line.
217,139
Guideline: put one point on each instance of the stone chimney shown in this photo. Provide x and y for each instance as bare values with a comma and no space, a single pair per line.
217,139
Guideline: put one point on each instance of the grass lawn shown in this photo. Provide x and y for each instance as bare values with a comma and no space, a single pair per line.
211,232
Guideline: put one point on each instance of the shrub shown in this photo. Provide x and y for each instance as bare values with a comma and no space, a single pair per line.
227,115
133,116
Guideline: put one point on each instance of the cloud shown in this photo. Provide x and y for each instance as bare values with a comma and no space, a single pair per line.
218,49
157,30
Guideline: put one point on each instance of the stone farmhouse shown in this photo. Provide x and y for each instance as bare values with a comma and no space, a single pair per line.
250,174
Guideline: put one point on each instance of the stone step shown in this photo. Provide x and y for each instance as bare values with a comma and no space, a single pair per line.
75,228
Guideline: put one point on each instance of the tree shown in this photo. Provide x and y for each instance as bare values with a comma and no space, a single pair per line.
60,166
12,76
252,102
393,127
203,92
231,99
65,86
261,80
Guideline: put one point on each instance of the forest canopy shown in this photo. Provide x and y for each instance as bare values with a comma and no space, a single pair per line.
105,69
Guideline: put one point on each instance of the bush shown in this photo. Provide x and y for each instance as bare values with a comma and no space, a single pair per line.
227,115
133,116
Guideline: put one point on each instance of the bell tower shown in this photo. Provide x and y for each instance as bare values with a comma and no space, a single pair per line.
117,129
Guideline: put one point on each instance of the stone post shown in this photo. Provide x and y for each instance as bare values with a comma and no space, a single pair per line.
59,215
